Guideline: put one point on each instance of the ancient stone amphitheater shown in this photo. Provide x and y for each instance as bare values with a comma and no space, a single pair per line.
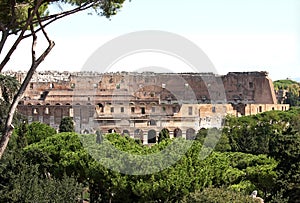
142,104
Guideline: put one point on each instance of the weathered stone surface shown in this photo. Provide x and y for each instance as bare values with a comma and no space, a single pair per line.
140,104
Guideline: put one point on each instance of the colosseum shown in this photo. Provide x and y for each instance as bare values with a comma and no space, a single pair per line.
142,104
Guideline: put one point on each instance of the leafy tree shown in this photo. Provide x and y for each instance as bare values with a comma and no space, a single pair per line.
27,18
70,153
60,154
37,131
286,149
276,134
163,134
9,86
21,181
66,125
216,139
293,91
212,195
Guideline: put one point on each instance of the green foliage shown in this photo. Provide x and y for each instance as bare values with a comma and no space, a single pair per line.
81,156
286,149
163,134
66,125
220,195
37,131
14,14
275,134
293,91
285,84
213,139
60,154
270,165
9,86
21,181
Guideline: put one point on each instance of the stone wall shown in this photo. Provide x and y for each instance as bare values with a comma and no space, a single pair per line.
142,104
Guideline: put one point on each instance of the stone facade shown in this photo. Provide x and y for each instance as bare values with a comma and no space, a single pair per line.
142,104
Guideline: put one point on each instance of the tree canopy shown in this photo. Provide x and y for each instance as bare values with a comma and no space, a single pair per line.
26,18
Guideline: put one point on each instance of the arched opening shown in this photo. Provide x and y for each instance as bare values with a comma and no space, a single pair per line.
68,104
151,136
111,130
177,132
152,123
163,134
126,132
100,107
138,134
86,131
190,134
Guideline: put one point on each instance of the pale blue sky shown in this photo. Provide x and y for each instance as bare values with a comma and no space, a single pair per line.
237,35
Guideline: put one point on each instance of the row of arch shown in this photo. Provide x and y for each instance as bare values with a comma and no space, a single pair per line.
78,104
152,134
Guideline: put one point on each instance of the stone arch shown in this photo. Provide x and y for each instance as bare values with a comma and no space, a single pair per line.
86,131
151,136
190,134
177,132
68,104
58,113
164,133
58,104
100,106
112,130
151,122
138,134
126,132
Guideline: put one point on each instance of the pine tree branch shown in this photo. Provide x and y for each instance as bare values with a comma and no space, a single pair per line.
31,14
8,129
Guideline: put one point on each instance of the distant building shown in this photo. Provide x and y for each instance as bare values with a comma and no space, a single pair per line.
142,104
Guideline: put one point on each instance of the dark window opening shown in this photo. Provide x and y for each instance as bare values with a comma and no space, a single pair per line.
190,110
132,109
151,136
152,123
251,85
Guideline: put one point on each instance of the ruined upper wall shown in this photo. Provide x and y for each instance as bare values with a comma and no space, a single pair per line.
235,87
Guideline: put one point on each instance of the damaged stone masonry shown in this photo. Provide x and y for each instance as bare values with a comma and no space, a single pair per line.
142,104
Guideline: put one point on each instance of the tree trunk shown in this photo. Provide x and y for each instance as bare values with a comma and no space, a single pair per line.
8,128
